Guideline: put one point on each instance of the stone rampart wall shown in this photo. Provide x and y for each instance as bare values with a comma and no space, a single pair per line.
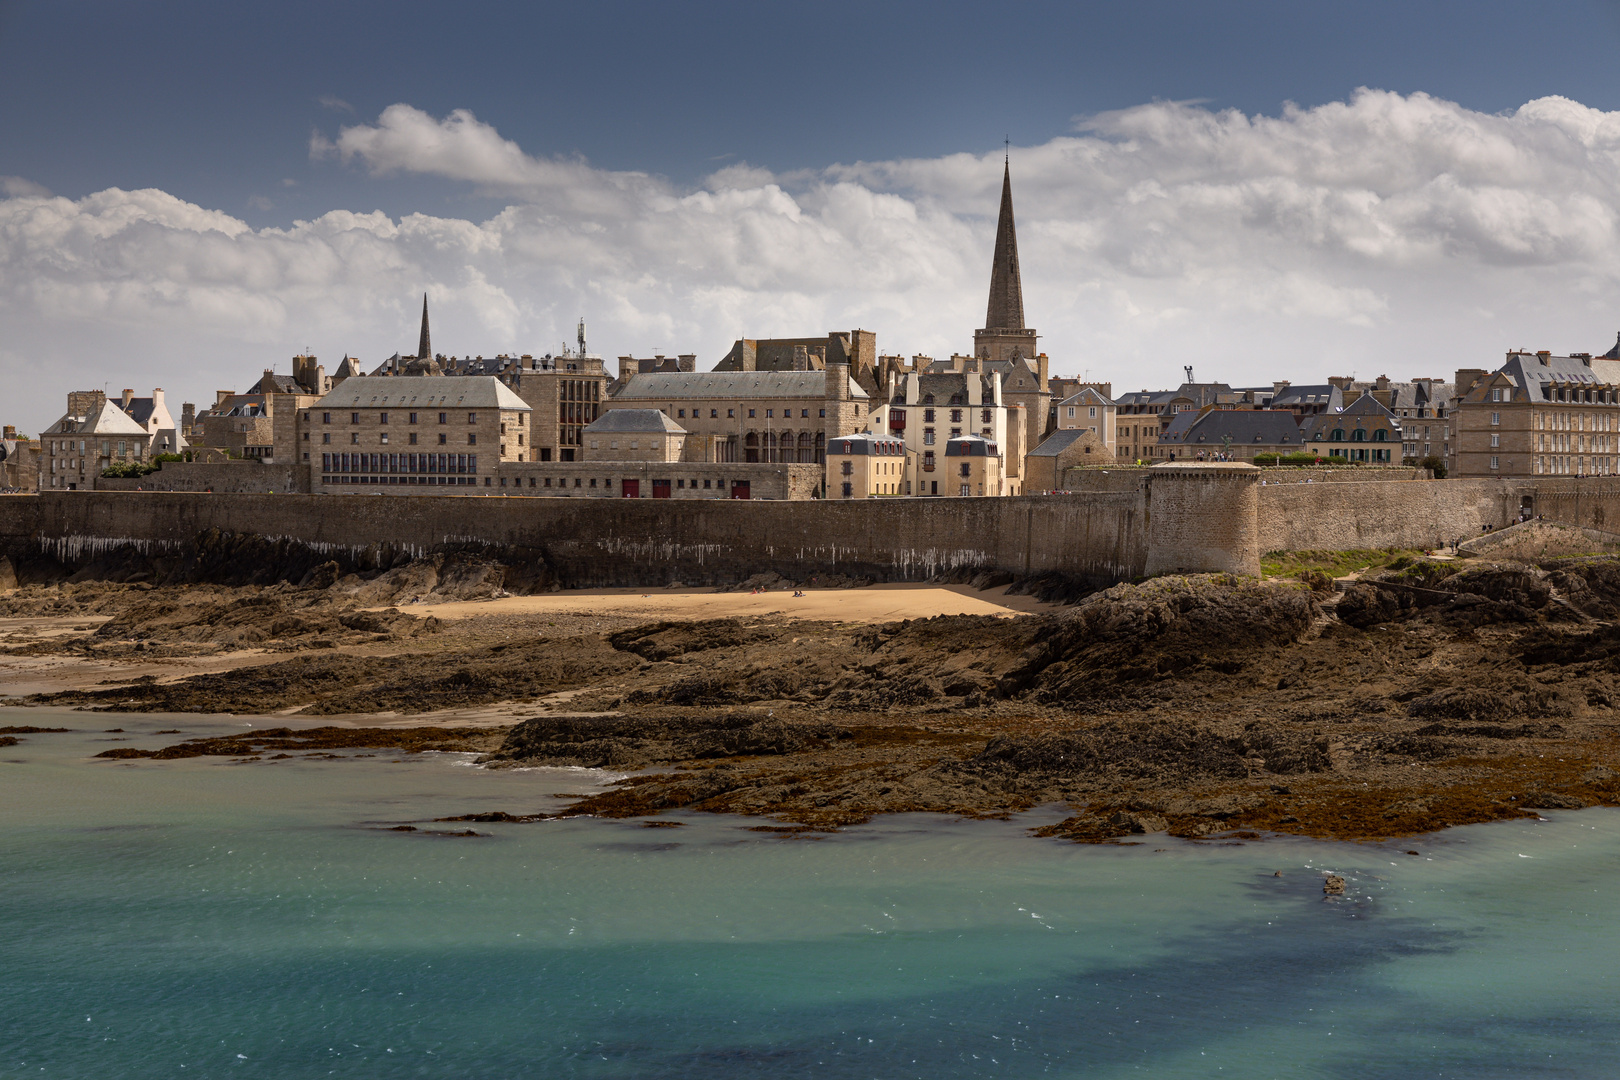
618,542
1417,513
237,477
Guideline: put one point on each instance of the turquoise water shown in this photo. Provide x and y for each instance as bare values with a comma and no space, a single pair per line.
199,918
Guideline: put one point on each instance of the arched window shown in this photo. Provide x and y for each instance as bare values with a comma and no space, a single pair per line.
1358,435
1337,436
1380,435
807,449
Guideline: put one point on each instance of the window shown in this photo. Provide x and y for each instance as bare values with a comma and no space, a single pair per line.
441,438
1071,412
956,433
823,412
714,414
413,438
1091,413
928,436
472,418
382,418
848,468
472,438
984,415
354,438
1496,440
681,413
1496,418
306,436
354,418
413,420
326,418
750,414
442,420
731,414
769,413
1493,463
804,414
956,416
385,438
967,470
848,489
326,437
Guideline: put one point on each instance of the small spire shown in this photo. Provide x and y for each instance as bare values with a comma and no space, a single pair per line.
424,345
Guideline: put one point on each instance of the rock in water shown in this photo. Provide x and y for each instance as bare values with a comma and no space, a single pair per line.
1333,885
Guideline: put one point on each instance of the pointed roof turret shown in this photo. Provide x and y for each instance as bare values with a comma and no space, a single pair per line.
424,345
1006,307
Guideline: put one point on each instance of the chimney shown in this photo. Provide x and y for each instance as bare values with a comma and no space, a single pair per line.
1041,372
627,368
1382,382
837,381
10,432
686,362
1278,386
1466,378
188,416
129,395
801,358
220,396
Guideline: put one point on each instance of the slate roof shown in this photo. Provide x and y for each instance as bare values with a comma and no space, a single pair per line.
970,446
109,419
455,391
1266,427
1531,374
634,421
866,444
1058,442
1324,395
1089,395
729,386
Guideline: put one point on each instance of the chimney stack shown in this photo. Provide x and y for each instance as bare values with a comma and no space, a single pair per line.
129,395
837,381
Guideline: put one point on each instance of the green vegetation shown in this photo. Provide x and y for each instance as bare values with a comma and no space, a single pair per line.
1293,564
1436,463
128,469
1298,457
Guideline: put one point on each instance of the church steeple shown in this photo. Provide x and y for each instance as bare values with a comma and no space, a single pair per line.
1006,308
424,345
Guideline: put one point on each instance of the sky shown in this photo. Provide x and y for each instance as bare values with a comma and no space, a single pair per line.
193,192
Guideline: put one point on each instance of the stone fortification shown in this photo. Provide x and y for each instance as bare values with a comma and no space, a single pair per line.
622,542
1342,517
1203,517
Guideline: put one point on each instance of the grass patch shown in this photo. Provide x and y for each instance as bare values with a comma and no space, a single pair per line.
1290,564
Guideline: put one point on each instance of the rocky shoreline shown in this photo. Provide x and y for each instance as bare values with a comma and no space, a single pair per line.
1430,693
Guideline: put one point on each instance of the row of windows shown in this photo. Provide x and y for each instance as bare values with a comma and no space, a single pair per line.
399,463
986,416
731,414
1563,421
382,439
1358,435
444,418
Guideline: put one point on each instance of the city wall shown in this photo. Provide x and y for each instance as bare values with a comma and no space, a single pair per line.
623,542
1184,518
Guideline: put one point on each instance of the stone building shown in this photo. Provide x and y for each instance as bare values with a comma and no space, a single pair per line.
19,461
1421,406
634,435
855,349
972,468
1538,415
1364,431
657,480
1230,434
1143,417
422,434
753,416
565,393
75,449
868,466
1076,447
924,408
1091,411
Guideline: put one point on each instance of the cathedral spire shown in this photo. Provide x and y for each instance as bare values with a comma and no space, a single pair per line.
424,346
1006,308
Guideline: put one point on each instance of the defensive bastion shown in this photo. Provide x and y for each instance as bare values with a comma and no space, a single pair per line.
1172,518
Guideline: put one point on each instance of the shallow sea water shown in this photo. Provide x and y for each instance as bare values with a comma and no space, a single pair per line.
199,918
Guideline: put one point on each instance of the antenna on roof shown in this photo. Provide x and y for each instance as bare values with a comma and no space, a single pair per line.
1188,369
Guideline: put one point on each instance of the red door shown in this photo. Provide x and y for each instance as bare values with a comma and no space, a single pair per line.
739,489
660,489
630,489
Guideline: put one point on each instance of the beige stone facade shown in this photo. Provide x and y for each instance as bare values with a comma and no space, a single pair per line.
1538,415
869,466
766,417
634,435
414,434
19,461
686,480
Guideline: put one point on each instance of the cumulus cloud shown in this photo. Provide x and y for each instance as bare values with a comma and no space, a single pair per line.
1384,234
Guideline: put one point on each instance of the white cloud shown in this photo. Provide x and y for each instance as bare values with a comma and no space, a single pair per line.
19,188
1384,234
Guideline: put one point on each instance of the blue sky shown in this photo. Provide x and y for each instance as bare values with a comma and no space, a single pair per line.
841,153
